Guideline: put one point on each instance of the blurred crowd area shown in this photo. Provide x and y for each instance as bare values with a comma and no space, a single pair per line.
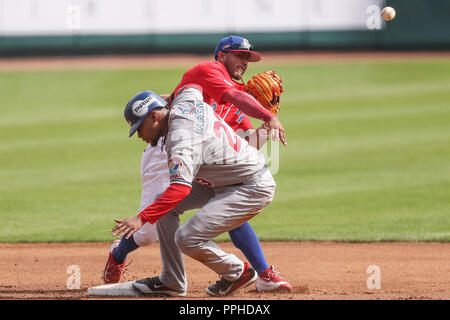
80,27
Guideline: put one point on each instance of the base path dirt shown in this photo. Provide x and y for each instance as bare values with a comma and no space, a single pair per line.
156,61
316,270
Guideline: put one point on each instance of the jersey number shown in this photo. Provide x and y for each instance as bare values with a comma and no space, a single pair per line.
218,125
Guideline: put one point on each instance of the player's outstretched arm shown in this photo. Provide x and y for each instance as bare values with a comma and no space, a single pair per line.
252,108
166,202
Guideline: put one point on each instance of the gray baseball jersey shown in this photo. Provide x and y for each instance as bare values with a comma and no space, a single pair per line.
201,147
230,185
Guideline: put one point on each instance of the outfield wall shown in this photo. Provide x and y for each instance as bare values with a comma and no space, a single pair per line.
30,27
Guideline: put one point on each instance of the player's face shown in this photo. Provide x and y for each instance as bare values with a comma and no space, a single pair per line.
149,130
236,63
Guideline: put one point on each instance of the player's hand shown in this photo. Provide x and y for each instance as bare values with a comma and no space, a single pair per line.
279,135
275,101
126,227
165,96
263,131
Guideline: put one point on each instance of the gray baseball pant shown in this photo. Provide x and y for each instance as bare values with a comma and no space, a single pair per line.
222,209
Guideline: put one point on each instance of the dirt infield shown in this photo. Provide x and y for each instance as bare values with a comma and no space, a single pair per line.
317,270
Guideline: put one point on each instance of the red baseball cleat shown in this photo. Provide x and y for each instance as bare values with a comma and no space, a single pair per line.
224,287
113,270
269,280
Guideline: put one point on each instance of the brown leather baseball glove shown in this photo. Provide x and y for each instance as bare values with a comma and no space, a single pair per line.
266,88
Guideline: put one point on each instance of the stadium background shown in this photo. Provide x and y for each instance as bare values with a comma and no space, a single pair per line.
140,26
366,112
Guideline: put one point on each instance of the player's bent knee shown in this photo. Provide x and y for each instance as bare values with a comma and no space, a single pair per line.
184,241
145,240
180,239
147,235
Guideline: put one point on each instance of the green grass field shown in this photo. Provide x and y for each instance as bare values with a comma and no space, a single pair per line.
368,156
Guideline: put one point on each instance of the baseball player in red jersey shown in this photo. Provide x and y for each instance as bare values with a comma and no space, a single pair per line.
221,90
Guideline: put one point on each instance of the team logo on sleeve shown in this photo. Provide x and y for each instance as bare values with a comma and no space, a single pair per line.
174,165
188,110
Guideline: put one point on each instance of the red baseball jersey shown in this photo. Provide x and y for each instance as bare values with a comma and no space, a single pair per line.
214,79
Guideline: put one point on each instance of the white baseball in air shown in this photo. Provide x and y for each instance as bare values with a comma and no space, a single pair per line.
388,13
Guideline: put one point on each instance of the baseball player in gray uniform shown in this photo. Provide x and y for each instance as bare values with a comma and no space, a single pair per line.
210,168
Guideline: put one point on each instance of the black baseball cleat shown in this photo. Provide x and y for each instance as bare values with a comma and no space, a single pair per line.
224,287
153,286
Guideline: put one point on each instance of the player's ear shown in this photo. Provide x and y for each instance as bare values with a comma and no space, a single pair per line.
154,115
220,56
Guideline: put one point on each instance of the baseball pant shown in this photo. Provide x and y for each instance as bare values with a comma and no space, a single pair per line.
155,179
222,209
